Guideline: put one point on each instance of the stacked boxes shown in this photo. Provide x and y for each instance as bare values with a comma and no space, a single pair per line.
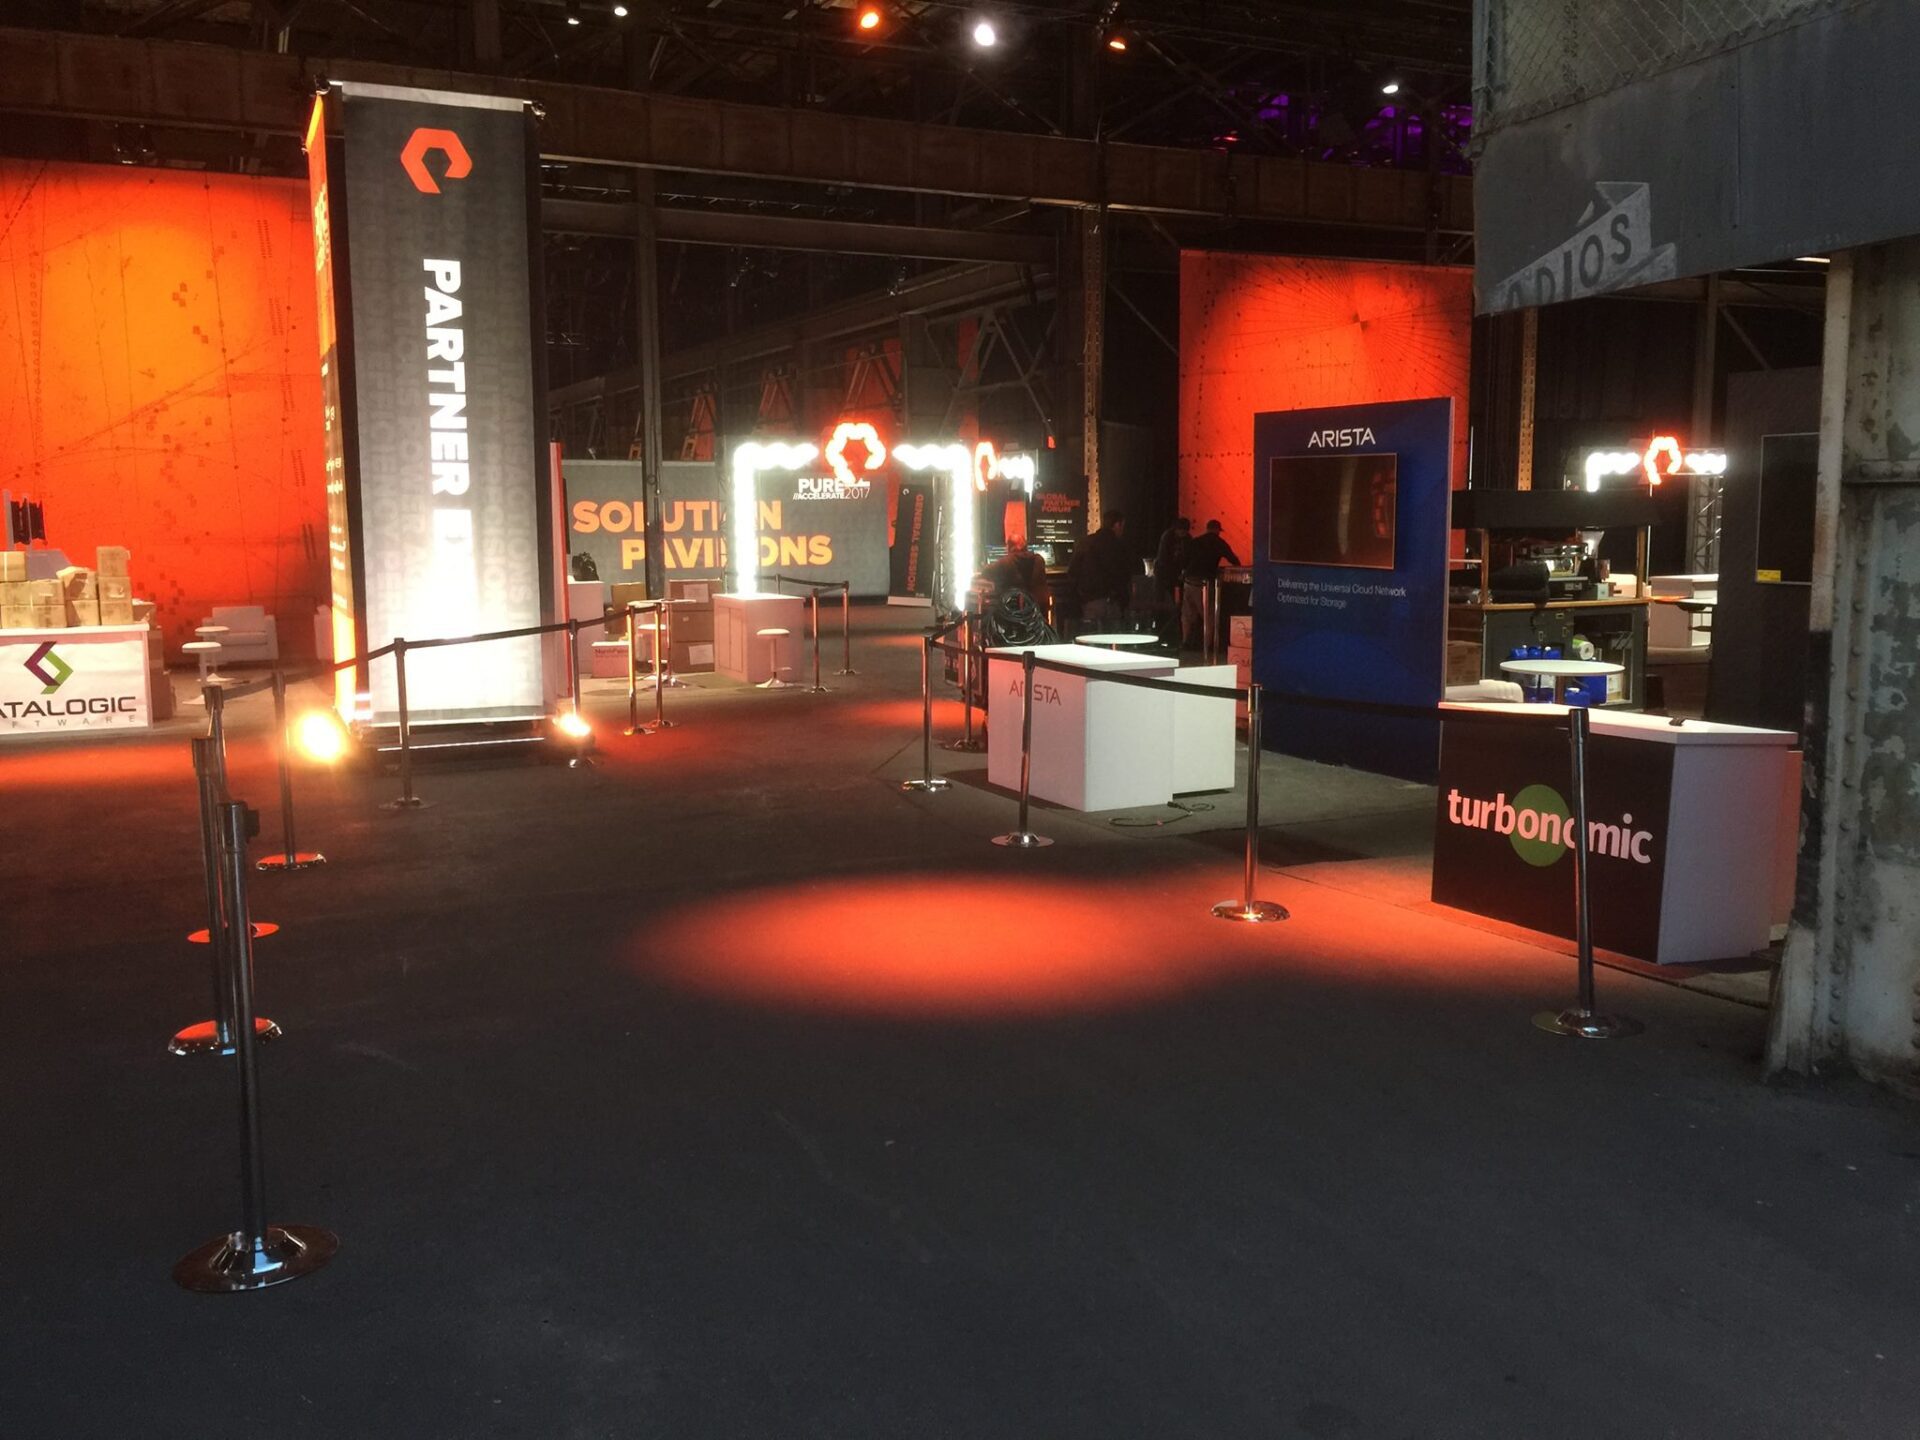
690,625
77,596
1240,653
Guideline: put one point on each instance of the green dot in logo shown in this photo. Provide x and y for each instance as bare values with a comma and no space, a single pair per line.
1540,825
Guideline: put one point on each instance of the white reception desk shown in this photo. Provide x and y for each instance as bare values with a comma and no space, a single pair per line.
1109,747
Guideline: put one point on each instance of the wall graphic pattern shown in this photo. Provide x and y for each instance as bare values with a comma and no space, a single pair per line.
160,382
1270,332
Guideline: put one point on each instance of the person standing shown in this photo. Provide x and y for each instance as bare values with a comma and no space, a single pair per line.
1205,555
1169,569
1099,573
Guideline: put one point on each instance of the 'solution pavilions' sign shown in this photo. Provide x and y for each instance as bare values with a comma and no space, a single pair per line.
437,479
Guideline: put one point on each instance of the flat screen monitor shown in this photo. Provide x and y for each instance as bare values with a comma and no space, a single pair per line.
1333,510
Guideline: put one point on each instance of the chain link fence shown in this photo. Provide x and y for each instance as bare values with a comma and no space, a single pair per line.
1531,56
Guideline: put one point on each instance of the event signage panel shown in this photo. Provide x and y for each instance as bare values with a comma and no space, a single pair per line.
812,524
437,477
1350,578
1503,830
78,679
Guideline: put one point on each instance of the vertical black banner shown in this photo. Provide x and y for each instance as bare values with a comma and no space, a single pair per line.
443,479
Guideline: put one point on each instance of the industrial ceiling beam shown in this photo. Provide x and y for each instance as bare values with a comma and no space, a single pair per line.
168,83
798,232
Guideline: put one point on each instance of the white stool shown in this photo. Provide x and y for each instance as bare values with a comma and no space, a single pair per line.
773,680
209,635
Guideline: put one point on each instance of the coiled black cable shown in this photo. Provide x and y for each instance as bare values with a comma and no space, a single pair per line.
1015,620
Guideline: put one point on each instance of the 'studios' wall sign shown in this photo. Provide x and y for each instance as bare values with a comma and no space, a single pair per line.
436,477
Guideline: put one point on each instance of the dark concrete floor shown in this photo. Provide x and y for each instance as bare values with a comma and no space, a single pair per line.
725,1091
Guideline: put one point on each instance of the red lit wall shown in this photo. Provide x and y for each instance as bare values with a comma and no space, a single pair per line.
1269,332
160,383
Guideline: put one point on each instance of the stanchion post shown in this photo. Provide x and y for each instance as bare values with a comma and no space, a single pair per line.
1024,838
928,780
1246,909
257,1254
633,673
406,800
573,663
968,742
215,1036
661,679
846,629
1210,621
813,602
1583,1022
290,856
216,703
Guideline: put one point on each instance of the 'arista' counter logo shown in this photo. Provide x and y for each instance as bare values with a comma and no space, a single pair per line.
424,142
1539,824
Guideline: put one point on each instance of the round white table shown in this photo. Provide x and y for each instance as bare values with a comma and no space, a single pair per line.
1119,641
1561,670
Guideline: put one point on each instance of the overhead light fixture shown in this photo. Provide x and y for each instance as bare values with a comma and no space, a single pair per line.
870,17
984,35
1392,87
1814,259
573,12
619,12
1117,41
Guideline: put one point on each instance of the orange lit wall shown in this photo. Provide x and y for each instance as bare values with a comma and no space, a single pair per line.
160,382
1269,332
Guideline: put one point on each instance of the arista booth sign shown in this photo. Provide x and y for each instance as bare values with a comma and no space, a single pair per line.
433,379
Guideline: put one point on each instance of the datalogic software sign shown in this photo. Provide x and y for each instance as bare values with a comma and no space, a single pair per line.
82,682
441,491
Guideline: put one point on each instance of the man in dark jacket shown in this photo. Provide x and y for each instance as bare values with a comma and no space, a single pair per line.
1205,554
1169,569
1101,574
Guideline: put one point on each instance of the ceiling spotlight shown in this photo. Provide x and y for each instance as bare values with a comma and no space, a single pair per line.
1392,87
619,12
984,35
1116,41
869,17
573,12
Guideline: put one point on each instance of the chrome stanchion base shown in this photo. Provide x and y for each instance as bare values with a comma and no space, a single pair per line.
285,1252
258,927
404,802
204,1038
1022,840
846,672
937,783
774,682
299,860
818,689
1259,912
965,746
1587,1024
583,762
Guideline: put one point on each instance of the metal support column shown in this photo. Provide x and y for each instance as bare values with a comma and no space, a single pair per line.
646,282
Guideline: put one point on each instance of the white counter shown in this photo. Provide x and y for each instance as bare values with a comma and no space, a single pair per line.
1108,747
1707,814
83,677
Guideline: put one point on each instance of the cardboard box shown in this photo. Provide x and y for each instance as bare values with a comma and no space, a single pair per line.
690,659
1239,630
115,587
16,617
116,612
694,594
16,593
83,611
145,612
46,592
691,627
13,566
50,617
112,560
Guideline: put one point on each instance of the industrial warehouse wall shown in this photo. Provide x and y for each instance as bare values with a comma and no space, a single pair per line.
160,382
1270,332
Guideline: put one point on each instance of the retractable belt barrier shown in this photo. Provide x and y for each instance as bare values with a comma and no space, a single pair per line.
1583,1020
